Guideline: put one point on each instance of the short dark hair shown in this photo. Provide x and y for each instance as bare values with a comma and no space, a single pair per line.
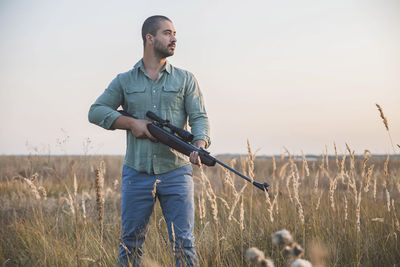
151,25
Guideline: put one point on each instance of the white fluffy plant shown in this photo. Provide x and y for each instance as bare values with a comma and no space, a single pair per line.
257,258
291,252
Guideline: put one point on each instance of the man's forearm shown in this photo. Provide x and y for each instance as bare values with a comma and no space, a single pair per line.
199,125
123,123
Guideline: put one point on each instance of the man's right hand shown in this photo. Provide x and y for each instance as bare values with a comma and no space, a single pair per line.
137,127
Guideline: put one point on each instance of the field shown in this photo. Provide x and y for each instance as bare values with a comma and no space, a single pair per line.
342,210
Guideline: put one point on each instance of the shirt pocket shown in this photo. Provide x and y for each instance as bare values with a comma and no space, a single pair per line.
172,97
136,99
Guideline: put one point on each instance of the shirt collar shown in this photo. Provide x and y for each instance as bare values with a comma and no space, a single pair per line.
139,65
167,67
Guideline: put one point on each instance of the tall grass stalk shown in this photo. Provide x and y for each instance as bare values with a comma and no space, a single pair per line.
100,171
385,122
251,174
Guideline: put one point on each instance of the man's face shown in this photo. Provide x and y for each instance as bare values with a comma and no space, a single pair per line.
165,41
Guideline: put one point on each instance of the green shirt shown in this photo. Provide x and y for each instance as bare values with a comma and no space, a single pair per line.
175,96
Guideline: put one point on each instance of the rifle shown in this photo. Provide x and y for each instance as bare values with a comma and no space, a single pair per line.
179,139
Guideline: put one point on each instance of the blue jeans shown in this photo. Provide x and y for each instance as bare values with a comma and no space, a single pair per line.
175,193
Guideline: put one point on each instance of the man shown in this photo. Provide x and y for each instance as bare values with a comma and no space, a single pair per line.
171,93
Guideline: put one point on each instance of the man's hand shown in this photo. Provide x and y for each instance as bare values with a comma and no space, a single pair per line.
194,156
137,127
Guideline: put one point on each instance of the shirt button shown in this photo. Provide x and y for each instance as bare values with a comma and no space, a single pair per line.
154,156
154,106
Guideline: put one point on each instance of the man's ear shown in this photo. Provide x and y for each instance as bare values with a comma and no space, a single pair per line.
149,38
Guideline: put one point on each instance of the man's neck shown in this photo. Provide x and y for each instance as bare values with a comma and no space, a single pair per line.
153,65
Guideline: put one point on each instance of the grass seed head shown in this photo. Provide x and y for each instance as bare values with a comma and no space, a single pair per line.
337,156
42,190
346,215
241,218
33,188
173,235
273,167
386,167
358,210
387,199
99,181
378,220
155,188
34,177
305,164
83,207
369,173
115,184
75,187
385,122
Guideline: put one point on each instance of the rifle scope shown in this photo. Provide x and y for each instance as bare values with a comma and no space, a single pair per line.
185,135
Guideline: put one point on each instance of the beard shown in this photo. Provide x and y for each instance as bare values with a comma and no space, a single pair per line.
161,50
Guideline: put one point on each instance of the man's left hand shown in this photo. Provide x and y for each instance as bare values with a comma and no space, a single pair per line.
194,156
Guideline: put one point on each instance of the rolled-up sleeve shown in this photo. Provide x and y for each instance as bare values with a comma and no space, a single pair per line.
103,112
196,111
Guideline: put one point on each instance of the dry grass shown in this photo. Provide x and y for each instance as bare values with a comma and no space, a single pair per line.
44,223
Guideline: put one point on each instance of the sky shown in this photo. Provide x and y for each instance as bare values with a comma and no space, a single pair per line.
294,74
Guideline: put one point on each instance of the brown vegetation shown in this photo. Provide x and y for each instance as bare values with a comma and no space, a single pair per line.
345,204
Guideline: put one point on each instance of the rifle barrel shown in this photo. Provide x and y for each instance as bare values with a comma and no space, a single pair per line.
260,186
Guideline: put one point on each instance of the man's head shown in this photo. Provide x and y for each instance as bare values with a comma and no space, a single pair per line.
158,33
